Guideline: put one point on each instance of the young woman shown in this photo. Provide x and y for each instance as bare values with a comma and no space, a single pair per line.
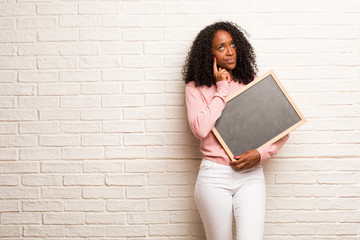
220,62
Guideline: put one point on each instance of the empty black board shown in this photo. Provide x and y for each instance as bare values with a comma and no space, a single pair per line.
255,116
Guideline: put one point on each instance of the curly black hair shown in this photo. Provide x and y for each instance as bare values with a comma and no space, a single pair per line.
199,62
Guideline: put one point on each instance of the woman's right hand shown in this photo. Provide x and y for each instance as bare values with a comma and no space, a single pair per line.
220,74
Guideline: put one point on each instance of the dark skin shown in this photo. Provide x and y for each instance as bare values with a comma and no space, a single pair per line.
224,52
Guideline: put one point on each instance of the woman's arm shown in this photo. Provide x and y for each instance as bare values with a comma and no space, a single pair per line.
201,115
269,150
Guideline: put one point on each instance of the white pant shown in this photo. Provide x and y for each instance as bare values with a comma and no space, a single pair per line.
220,191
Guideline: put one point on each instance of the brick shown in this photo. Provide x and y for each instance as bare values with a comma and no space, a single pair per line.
48,115
59,141
79,76
177,204
7,23
121,48
180,139
142,61
80,127
10,231
9,206
108,218
19,193
99,62
175,112
143,113
183,191
148,218
166,230
42,180
61,193
100,88
122,101
38,49
7,77
21,9
7,49
122,74
123,127
57,35
55,9
146,192
43,231
102,166
7,102
301,178
153,87
9,180
122,21
99,8
18,62
319,217
19,167
36,23
44,127
162,73
42,206
79,21
63,218
100,140
25,36
83,180
166,126
38,102
84,205
291,204
125,180
58,89
8,128
164,100
80,102
100,35
145,166
185,217
38,76
141,8
83,153
20,218
125,152
143,140
100,114
126,231
18,141
57,62
126,205
171,178
142,35
103,193
61,167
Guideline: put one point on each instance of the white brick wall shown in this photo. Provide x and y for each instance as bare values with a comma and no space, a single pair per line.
94,141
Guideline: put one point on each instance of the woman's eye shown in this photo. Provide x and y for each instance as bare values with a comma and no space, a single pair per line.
221,48
233,44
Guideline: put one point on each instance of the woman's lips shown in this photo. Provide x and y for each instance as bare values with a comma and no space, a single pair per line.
232,60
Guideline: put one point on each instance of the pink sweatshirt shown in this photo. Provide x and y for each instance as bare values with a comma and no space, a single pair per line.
204,106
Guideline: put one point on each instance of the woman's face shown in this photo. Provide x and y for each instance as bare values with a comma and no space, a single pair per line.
223,48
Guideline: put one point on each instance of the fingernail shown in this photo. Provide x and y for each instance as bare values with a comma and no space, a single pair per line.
214,57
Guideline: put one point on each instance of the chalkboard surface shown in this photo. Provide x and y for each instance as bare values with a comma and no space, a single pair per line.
259,114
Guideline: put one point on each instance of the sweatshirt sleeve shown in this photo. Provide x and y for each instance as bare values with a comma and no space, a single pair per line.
269,150
202,116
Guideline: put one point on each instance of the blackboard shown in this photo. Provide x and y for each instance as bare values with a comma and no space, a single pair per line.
260,113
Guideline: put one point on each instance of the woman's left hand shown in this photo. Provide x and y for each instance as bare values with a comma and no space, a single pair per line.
247,160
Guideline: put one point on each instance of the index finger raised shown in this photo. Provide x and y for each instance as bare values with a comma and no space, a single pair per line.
215,66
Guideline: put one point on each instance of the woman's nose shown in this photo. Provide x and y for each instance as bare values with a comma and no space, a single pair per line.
229,51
